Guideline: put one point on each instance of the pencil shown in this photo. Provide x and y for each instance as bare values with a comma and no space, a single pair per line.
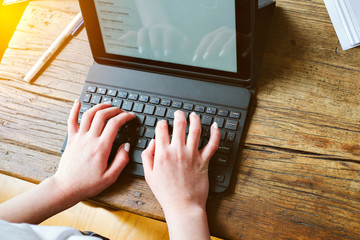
53,48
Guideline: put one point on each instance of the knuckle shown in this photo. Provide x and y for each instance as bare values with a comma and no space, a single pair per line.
213,147
196,131
100,116
180,123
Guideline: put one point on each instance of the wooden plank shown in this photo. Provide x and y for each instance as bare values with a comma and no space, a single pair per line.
298,177
278,195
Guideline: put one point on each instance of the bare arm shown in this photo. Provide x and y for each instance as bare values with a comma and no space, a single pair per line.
83,171
177,173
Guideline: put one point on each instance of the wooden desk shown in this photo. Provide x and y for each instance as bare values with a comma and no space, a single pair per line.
299,174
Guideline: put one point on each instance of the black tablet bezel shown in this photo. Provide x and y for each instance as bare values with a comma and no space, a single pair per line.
100,56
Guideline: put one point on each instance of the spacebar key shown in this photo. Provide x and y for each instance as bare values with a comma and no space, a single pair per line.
136,156
135,169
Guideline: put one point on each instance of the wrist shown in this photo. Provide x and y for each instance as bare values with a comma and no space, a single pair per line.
185,210
59,193
187,222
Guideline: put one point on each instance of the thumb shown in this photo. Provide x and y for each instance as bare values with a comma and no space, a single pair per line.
148,157
118,164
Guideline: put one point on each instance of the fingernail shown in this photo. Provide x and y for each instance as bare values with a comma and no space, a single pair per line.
205,55
216,126
127,147
221,53
75,102
132,113
108,102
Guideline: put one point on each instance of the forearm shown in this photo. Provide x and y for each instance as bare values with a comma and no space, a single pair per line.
187,223
36,205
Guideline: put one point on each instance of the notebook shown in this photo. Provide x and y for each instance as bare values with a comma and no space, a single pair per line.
154,57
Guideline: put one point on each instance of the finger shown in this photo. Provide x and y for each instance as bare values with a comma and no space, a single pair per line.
229,47
217,43
194,132
204,43
162,134
169,41
100,119
88,116
179,129
73,125
143,41
213,143
156,42
147,157
118,164
130,36
112,127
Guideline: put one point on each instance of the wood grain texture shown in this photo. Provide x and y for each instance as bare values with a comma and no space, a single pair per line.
298,176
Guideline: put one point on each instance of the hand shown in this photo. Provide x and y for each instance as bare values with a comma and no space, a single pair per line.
158,42
177,172
217,49
83,171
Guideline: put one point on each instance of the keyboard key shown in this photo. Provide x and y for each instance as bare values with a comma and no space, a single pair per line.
127,105
220,159
223,112
119,138
112,93
154,100
79,117
219,177
106,99
231,125
141,143
205,132
165,102
133,96
150,133
101,91
135,156
188,106
219,121
150,121
84,108
222,134
95,99
160,111
87,98
91,89
117,102
199,108
122,94
224,147
235,114
138,107
170,113
176,104
149,109
144,98
140,131
140,118
230,136
206,120
211,110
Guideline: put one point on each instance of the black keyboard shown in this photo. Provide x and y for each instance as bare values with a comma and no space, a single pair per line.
150,108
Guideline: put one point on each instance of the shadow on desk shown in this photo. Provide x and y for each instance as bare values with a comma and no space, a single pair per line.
285,42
